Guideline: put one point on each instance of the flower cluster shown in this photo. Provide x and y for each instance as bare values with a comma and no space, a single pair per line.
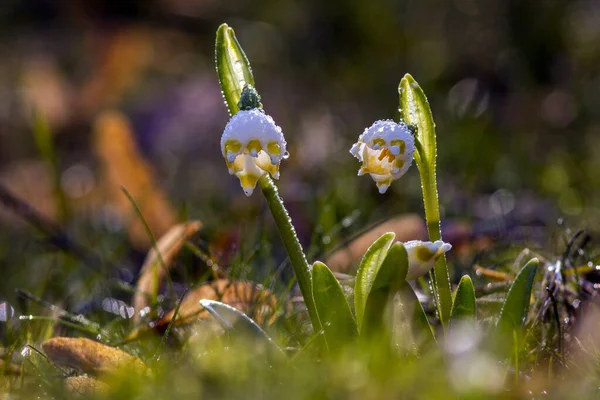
253,145
386,151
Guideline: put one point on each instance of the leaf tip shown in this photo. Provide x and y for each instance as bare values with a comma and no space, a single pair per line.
222,28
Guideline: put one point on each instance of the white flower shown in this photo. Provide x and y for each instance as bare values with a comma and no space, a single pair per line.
252,146
422,256
386,151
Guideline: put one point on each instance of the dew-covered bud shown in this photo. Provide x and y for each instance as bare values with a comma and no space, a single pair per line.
422,256
249,98
386,151
252,145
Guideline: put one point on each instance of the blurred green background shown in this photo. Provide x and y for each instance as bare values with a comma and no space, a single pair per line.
514,87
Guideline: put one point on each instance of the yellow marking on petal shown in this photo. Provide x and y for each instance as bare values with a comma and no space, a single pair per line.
423,254
386,182
399,143
273,148
399,163
274,170
248,180
379,141
232,146
254,144
230,166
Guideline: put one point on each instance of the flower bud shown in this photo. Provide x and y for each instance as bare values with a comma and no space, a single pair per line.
422,256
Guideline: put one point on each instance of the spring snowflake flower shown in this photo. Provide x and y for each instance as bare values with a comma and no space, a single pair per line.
422,256
252,146
386,151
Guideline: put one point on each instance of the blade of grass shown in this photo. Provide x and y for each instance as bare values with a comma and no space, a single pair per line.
154,244
45,144
168,330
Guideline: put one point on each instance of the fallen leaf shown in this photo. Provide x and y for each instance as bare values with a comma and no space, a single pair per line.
85,386
46,90
90,357
122,165
253,300
493,275
30,180
122,56
153,271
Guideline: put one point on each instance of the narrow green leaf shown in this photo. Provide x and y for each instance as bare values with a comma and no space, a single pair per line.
334,312
367,272
390,277
415,111
464,301
233,67
421,328
514,311
232,319
44,139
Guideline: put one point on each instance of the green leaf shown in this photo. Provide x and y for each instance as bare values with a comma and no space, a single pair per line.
334,312
233,67
390,277
421,328
464,301
514,311
232,319
415,111
367,272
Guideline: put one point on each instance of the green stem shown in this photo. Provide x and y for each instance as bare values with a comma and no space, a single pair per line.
292,245
443,291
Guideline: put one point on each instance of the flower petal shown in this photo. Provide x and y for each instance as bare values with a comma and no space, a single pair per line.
422,256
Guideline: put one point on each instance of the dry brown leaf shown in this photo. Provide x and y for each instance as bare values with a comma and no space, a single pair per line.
153,272
30,180
124,56
122,165
85,386
91,357
406,227
46,90
493,275
257,302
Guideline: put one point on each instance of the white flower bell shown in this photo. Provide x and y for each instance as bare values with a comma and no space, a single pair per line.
386,151
252,146
422,256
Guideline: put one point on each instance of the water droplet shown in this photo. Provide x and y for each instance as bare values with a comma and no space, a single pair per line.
6,312
286,155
